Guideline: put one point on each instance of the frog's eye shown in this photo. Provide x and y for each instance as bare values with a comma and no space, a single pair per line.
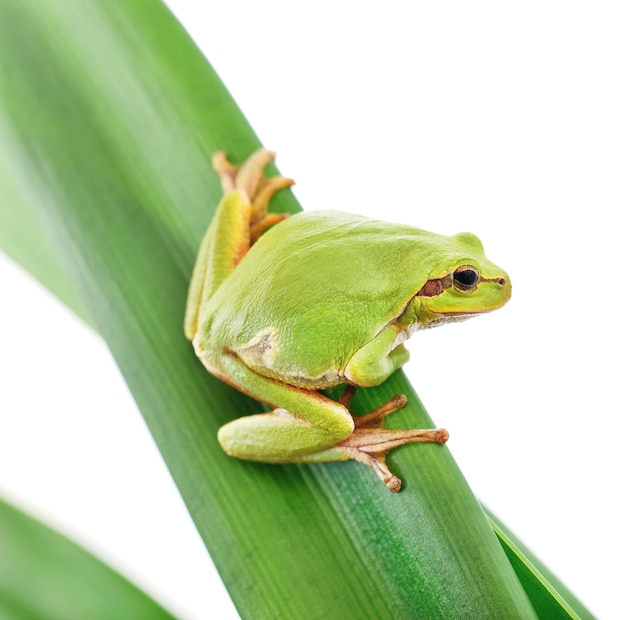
466,278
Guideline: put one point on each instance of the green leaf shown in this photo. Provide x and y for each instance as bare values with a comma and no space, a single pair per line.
44,575
549,597
108,117
22,238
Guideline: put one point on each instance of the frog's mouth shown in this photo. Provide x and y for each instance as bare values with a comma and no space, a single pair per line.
460,315
443,318
466,314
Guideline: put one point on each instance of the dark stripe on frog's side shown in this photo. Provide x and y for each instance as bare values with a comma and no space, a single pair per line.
435,287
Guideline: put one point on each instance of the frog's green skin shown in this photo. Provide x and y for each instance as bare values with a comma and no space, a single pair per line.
322,298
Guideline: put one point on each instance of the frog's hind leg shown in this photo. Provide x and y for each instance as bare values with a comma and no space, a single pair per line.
322,430
239,220
303,421
370,442
370,446
278,437
248,177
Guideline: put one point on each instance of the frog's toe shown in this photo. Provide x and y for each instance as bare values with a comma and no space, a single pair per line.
370,446
249,178
375,418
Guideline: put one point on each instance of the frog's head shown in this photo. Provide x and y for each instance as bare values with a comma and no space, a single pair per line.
468,284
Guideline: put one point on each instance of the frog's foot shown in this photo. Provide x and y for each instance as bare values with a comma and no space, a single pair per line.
370,443
249,178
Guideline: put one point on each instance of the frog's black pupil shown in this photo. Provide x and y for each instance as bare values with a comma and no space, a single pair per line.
466,277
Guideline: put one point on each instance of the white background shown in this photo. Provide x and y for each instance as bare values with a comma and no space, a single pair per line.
504,119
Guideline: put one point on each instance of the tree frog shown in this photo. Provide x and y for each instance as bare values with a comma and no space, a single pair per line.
282,307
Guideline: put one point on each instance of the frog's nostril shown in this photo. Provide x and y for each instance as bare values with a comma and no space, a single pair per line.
502,281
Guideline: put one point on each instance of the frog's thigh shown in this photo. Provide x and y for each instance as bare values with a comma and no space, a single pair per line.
374,362
304,423
224,244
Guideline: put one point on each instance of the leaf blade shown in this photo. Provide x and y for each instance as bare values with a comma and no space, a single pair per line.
549,597
126,220
45,575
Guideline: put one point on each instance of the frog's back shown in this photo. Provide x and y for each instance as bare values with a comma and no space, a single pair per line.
315,289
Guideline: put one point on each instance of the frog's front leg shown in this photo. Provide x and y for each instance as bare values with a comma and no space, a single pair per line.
308,427
378,359
239,220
